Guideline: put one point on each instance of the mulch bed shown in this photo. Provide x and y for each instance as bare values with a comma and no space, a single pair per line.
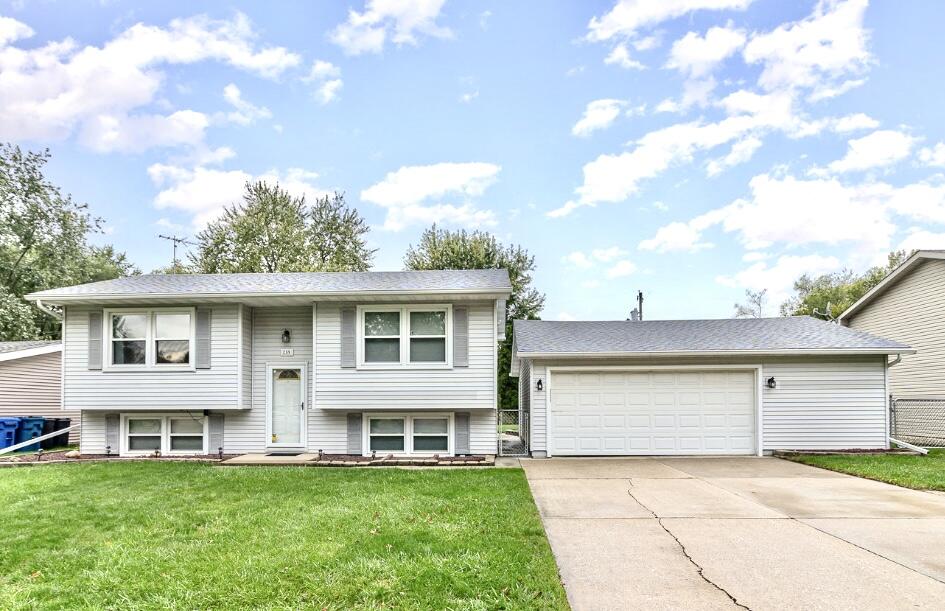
789,453
60,457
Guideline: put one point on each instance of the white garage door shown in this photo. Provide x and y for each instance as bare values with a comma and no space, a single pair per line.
652,412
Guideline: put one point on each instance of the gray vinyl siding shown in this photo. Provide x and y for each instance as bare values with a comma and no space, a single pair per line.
214,388
912,311
245,431
820,402
456,389
92,433
31,386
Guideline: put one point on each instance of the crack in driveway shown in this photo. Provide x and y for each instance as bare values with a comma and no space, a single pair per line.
685,552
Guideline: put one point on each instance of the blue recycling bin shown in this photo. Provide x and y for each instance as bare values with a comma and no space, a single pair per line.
8,428
30,427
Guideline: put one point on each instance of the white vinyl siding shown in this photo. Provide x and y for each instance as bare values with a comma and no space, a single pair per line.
245,431
246,377
820,402
825,405
912,311
406,389
152,389
31,386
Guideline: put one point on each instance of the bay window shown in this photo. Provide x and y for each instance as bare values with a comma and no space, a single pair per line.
408,434
404,336
152,338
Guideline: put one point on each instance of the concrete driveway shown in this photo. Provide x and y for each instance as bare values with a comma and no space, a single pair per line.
727,533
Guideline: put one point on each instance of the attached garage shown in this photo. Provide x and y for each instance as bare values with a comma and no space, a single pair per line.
704,387
652,412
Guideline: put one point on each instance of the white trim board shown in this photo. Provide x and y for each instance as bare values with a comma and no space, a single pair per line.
22,354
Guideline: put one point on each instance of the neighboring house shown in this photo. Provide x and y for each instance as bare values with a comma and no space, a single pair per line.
345,363
909,307
31,381
737,386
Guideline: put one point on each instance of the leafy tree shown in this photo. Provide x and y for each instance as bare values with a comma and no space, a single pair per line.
43,244
754,306
827,296
275,231
443,249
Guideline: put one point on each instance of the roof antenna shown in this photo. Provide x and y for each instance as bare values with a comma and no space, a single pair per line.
176,240
826,315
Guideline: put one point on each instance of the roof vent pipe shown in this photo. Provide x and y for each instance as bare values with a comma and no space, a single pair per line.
640,305
635,315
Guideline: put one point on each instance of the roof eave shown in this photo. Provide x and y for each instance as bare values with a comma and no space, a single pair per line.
64,298
690,353
28,352
887,282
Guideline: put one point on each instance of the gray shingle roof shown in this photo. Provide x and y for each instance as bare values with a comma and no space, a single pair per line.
799,333
6,347
484,280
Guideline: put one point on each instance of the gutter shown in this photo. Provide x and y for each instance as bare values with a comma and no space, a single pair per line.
716,353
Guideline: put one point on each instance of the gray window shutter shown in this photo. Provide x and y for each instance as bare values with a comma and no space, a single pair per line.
215,431
112,433
348,337
461,337
204,322
461,429
95,340
354,434
500,318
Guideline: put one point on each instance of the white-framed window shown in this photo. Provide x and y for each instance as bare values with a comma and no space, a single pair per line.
159,338
405,336
423,434
169,434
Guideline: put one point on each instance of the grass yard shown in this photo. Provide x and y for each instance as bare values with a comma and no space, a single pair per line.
908,470
170,535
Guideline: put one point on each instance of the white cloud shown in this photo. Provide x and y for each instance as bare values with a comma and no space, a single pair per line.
621,269
779,278
755,255
741,152
795,212
620,56
469,96
325,77
922,239
696,56
50,91
578,259
648,42
399,21
565,316
203,192
880,149
922,201
414,194
678,237
599,114
817,53
854,122
629,16
933,156
12,30
244,112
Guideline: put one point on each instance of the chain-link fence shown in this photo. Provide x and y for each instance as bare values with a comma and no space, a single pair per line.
513,432
918,421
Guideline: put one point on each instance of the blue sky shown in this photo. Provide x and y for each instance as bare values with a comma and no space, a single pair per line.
688,148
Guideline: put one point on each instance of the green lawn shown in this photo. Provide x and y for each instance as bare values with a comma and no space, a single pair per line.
909,470
170,535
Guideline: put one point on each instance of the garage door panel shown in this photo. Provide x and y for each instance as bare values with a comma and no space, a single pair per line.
666,412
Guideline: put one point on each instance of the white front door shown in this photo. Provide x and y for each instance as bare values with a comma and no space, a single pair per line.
286,426
652,412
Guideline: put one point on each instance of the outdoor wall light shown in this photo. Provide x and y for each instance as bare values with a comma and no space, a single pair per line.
539,385
286,336
771,382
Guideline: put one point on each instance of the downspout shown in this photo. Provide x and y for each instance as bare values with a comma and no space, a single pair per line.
902,444
39,304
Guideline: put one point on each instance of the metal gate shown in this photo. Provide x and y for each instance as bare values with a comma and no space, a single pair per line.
918,421
513,432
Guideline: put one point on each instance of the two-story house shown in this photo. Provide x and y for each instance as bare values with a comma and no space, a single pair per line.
346,363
